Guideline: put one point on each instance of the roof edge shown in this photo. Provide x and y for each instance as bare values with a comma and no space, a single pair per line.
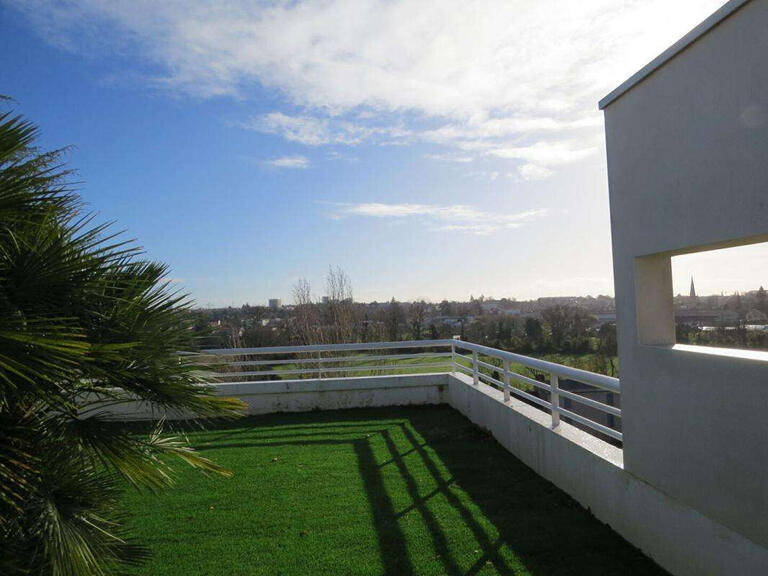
712,21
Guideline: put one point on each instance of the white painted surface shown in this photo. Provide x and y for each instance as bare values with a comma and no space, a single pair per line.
259,365
308,395
715,19
688,171
761,355
678,537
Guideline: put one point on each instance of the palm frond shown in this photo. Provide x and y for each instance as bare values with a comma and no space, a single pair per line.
85,323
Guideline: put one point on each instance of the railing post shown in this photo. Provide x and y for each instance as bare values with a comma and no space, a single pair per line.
319,366
554,399
475,369
453,357
506,380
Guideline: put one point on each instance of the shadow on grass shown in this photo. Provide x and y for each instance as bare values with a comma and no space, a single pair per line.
515,517
545,528
392,545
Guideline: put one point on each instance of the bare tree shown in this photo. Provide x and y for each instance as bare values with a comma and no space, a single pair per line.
340,309
307,320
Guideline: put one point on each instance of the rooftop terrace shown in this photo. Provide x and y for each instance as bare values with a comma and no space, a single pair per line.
422,457
403,490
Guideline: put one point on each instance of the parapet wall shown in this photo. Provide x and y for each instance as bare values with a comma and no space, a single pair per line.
678,537
308,395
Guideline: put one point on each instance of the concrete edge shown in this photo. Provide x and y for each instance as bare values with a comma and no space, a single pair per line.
307,395
711,22
679,538
341,384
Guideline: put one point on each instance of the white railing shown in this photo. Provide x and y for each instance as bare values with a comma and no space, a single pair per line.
483,364
473,365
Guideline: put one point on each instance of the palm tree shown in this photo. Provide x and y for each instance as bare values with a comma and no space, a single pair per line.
85,324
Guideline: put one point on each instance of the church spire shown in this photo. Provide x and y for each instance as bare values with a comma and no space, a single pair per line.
693,289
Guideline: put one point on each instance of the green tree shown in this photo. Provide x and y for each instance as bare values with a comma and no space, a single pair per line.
393,320
607,348
418,312
567,326
85,324
447,308
534,333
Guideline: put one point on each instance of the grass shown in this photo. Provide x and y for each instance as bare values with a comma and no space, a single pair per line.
376,491
424,364
400,366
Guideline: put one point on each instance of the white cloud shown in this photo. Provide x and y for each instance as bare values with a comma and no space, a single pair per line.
534,172
309,131
440,217
493,76
314,131
546,153
289,162
541,158
452,158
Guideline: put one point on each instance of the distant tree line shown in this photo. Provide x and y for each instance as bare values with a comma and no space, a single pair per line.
565,333
337,318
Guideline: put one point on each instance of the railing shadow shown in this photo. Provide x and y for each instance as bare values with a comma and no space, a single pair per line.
464,487
549,532
393,547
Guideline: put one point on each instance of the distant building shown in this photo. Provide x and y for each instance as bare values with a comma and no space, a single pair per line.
707,317
548,301
275,304
490,307
606,318
756,316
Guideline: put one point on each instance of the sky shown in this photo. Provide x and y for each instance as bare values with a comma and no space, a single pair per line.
724,271
432,149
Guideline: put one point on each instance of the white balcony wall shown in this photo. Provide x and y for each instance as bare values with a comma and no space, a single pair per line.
688,170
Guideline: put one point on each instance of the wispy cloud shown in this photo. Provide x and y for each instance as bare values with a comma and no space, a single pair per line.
289,162
441,217
533,172
541,158
509,80
320,131
452,158
306,130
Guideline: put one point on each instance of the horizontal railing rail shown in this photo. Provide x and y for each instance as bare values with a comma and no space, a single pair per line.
326,347
542,386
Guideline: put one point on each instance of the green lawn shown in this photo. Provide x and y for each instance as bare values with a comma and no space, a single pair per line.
399,366
375,491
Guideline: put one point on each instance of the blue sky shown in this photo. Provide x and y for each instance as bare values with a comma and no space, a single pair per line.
432,150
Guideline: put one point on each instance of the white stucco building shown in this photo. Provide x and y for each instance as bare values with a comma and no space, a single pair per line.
687,141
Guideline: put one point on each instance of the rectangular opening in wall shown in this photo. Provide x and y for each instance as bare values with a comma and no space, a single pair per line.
720,298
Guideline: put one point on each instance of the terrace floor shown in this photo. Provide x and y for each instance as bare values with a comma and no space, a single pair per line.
371,491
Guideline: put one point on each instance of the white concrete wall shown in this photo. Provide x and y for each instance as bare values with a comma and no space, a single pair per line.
688,170
326,394
678,537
